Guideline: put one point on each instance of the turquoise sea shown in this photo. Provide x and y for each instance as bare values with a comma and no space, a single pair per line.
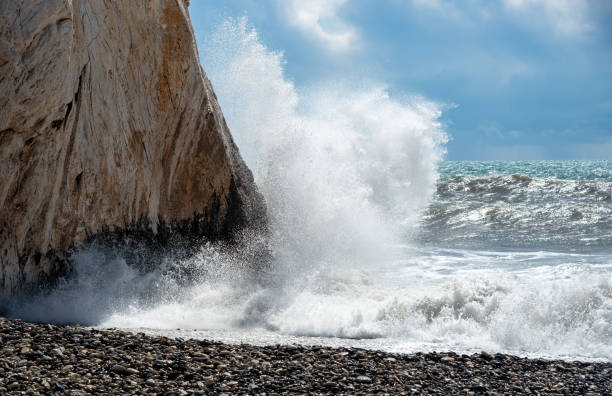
561,206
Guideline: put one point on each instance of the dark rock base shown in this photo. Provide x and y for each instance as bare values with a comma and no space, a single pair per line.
45,359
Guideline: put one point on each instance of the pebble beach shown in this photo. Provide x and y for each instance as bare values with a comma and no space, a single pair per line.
49,359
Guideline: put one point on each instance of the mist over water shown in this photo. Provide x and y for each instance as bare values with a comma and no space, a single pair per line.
376,243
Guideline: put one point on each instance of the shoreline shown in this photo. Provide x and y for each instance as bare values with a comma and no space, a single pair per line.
266,338
45,359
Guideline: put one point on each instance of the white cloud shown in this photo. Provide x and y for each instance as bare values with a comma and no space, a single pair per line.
442,7
567,17
465,12
319,19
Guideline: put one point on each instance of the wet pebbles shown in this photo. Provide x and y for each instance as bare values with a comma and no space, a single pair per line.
45,359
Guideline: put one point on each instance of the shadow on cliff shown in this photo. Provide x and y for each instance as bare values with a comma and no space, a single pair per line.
119,273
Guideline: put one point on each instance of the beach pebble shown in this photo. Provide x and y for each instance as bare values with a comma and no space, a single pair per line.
42,359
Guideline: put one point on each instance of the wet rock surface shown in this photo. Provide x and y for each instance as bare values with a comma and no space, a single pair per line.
46,359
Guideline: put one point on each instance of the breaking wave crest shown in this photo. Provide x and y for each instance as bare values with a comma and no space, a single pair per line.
521,211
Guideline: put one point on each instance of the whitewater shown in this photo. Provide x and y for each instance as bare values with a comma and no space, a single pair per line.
375,241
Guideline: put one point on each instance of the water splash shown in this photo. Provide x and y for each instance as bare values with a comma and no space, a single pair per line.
344,170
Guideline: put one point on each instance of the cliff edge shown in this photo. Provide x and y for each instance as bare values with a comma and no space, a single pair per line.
108,123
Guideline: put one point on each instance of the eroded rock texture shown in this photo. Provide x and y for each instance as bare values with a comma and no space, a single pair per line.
108,122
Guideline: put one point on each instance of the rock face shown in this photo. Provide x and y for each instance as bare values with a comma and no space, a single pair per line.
108,123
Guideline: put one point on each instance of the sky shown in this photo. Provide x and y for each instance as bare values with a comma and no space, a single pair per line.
515,79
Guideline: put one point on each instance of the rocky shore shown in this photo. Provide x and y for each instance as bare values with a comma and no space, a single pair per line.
45,359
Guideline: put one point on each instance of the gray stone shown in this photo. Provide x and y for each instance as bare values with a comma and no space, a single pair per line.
120,369
364,379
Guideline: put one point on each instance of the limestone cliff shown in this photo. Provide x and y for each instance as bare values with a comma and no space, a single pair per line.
108,123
